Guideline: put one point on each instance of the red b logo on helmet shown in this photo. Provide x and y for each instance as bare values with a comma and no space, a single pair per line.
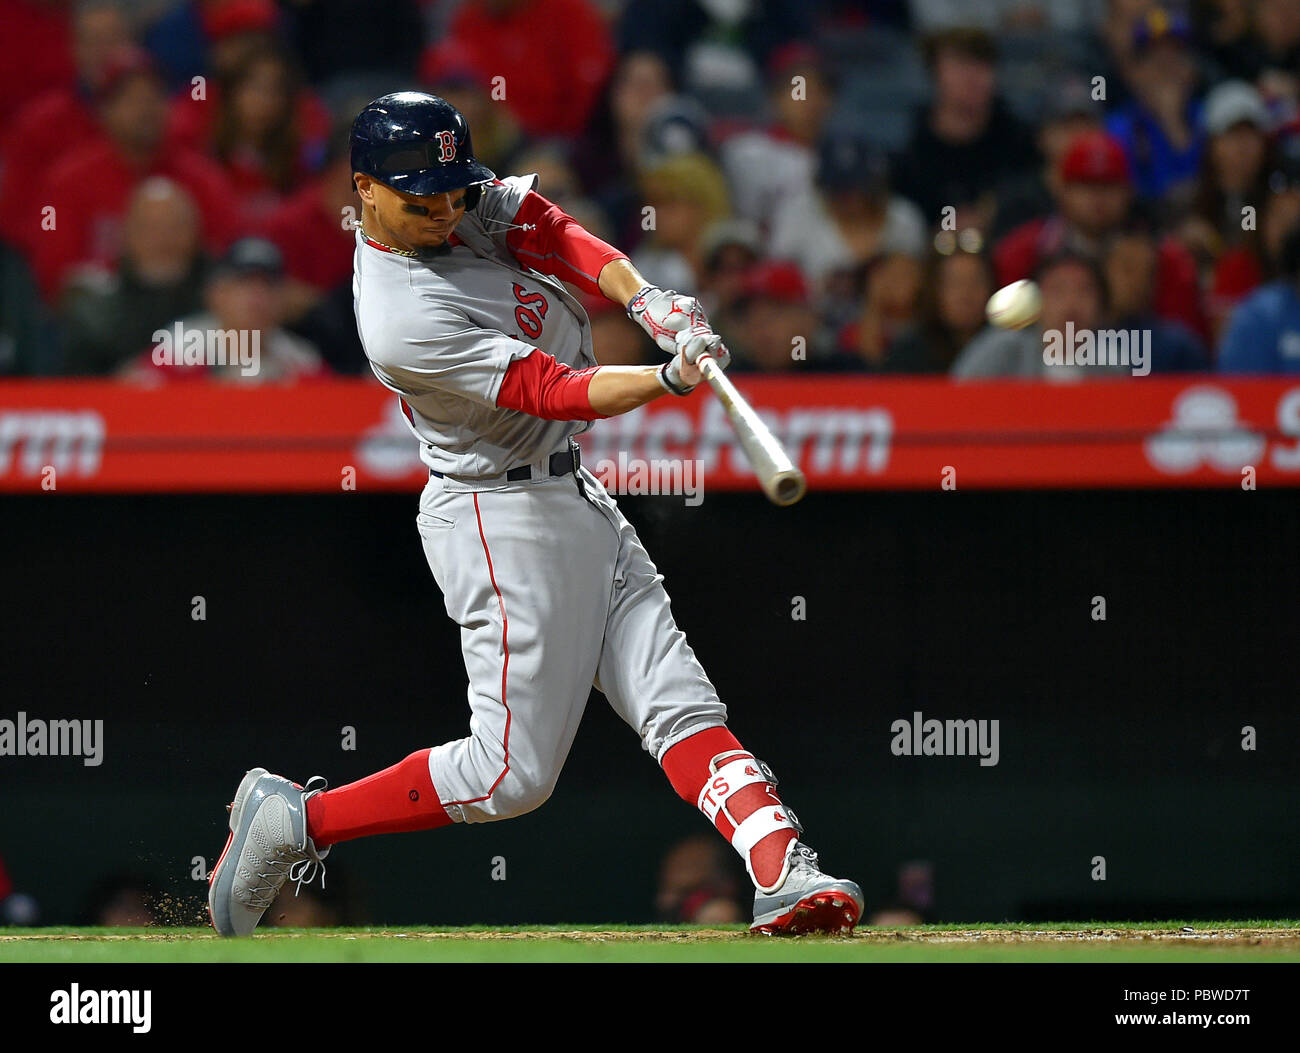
447,146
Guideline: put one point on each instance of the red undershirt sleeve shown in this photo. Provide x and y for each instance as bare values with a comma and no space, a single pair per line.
557,245
540,386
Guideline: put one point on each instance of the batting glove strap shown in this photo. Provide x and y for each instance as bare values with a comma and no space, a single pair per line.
670,378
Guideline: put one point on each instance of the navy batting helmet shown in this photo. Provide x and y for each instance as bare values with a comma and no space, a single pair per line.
418,144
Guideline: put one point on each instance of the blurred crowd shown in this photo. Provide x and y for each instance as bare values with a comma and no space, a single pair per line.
842,182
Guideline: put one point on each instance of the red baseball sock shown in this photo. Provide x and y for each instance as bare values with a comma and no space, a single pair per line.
712,771
395,800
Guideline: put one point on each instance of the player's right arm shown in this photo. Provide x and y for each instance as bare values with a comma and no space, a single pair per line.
543,387
453,356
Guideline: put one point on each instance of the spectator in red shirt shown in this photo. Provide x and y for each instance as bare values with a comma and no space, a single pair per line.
80,208
1093,190
553,57
42,128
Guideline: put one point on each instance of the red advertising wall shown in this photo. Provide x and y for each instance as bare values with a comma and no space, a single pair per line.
845,432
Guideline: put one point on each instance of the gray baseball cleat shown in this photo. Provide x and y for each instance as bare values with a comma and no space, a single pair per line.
268,845
807,901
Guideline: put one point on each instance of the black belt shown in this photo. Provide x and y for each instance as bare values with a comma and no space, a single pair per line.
562,463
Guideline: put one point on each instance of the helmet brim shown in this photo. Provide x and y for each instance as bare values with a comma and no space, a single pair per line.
428,181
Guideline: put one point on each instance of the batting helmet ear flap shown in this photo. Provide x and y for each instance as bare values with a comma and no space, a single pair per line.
472,194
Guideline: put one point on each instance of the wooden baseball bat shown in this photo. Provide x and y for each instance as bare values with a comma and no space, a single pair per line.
781,480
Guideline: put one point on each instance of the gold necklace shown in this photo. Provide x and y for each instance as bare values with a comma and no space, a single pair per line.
400,252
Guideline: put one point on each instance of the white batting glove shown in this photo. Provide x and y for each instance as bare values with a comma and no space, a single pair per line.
692,345
663,313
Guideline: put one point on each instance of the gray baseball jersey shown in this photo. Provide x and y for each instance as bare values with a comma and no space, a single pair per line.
441,332
552,589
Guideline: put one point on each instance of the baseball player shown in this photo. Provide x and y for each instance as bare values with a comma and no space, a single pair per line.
460,304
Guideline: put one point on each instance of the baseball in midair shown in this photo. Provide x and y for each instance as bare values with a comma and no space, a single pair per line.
1015,306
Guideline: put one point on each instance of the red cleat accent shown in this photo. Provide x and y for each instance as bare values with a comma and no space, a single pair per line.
824,912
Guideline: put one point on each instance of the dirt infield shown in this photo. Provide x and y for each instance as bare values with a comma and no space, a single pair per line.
1281,937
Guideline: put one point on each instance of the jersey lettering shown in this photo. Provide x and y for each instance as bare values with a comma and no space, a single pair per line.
530,312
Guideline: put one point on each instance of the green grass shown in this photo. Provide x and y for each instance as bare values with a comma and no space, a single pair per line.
1259,940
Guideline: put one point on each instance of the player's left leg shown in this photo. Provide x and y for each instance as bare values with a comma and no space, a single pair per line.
654,682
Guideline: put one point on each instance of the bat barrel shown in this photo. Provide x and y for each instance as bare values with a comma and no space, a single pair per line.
780,478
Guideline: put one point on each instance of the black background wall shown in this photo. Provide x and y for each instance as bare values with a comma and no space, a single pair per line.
1118,738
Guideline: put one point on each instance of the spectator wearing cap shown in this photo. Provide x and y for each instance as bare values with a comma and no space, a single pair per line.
954,291
775,328
686,193
1160,127
244,295
965,147
555,57
1234,178
849,220
769,166
43,128
1074,294
1094,196
1263,336
108,318
88,190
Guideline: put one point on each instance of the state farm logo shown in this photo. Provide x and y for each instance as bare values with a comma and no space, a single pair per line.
823,440
70,441
1204,430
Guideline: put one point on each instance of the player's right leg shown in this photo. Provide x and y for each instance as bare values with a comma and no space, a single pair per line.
654,682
